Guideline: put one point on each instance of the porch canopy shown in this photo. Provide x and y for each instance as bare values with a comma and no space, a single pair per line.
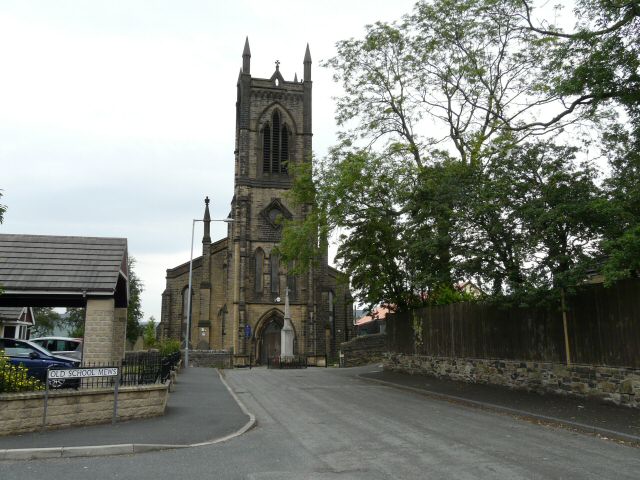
88,272
53,271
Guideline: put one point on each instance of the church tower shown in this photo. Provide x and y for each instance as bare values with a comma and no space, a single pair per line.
273,132
239,283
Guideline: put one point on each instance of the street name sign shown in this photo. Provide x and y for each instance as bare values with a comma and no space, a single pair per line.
83,372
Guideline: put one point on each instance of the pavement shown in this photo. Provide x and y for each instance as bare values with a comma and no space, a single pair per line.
201,410
581,414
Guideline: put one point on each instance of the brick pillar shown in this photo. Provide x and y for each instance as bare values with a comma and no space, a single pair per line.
99,331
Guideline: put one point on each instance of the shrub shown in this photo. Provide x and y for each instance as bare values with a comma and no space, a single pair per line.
149,334
169,346
15,378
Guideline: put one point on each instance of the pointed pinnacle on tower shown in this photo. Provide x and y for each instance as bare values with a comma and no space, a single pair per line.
206,238
307,65
246,57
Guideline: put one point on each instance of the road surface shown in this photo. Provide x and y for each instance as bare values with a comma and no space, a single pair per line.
328,424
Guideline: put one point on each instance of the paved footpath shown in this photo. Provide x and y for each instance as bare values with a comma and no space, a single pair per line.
199,410
587,415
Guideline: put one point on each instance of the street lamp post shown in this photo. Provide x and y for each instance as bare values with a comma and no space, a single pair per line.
189,293
188,333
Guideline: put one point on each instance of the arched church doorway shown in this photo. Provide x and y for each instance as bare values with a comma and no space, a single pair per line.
268,343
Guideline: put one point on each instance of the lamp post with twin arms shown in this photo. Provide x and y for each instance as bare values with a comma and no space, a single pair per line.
206,221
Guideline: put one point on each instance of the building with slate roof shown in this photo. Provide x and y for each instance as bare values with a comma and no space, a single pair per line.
57,271
16,322
239,282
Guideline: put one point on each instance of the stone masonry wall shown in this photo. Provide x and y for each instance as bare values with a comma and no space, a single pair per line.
364,350
615,384
22,412
210,358
99,332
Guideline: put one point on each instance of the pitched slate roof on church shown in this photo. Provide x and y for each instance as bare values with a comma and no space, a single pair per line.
61,265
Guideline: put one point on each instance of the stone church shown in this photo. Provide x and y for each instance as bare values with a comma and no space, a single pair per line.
239,280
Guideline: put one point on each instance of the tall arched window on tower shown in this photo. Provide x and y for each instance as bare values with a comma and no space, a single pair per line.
331,310
284,149
259,263
266,149
275,142
275,145
291,280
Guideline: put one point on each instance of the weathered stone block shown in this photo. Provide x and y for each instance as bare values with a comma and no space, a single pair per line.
626,387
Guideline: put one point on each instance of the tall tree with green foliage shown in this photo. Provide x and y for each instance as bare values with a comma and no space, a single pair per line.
74,321
134,310
362,197
598,63
452,160
46,320
622,240
149,333
3,209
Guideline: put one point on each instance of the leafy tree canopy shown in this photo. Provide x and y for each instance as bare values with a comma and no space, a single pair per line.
461,154
134,311
149,333
3,209
46,319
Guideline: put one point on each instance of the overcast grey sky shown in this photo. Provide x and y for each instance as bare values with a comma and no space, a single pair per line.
117,117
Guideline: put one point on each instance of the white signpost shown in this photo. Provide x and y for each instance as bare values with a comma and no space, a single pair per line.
80,373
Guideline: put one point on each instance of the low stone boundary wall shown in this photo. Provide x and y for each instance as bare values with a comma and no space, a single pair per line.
316,361
615,384
364,350
210,358
22,412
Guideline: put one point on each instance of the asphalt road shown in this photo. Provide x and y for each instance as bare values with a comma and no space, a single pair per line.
327,424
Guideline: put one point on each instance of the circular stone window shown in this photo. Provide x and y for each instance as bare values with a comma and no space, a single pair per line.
274,216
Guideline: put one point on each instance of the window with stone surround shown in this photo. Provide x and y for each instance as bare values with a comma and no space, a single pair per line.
291,280
274,261
331,310
275,145
258,259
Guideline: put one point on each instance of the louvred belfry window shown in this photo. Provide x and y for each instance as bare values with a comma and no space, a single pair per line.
275,145
266,149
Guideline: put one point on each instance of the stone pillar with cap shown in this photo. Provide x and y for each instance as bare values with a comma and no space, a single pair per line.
287,333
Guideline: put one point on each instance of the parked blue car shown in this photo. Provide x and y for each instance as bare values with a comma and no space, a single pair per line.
37,360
